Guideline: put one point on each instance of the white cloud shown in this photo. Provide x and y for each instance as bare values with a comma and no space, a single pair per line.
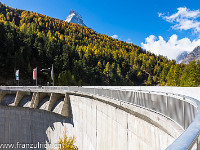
115,36
184,19
160,14
129,40
171,48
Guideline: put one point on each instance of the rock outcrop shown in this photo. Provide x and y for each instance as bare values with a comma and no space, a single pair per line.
194,55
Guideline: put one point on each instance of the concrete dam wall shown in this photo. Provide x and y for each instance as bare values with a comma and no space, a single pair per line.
35,114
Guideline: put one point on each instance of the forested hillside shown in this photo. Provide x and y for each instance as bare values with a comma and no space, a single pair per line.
80,55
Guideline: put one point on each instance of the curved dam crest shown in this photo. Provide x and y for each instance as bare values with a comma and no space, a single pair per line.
97,122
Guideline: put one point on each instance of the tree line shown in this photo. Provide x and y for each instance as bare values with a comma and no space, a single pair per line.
80,55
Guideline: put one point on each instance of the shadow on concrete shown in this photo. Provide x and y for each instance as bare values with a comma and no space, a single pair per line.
25,101
57,107
26,125
71,113
44,103
8,100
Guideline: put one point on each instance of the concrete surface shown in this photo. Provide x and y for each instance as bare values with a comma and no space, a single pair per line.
53,99
24,125
66,109
25,101
2,94
37,98
97,123
44,104
8,100
19,96
187,91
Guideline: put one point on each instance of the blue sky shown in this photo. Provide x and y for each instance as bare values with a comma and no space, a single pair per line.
137,21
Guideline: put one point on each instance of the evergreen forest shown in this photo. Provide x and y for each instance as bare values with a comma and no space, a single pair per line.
80,55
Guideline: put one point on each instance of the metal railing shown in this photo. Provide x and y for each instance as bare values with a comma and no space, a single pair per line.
183,110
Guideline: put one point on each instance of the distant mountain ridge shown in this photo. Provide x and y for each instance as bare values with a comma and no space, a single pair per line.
181,56
75,17
194,55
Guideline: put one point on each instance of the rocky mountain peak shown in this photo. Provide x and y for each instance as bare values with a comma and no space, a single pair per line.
75,17
194,55
196,50
181,56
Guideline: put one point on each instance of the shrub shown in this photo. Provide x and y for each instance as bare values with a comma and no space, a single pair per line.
67,143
